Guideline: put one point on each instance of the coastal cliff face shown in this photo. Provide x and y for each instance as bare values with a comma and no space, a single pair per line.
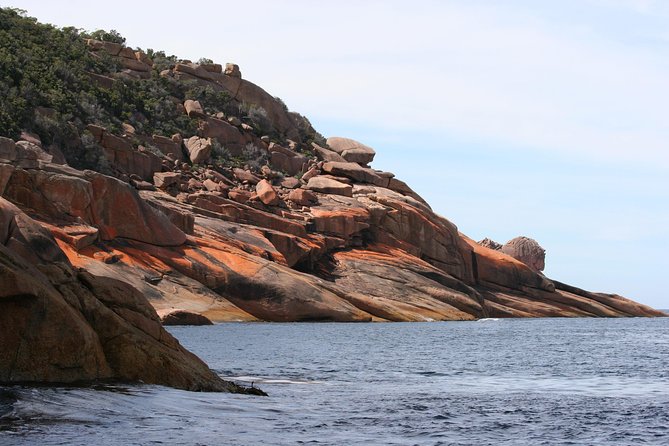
244,214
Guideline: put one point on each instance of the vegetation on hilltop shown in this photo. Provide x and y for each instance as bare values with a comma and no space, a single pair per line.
48,87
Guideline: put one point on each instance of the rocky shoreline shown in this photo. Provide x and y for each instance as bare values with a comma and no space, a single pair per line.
299,230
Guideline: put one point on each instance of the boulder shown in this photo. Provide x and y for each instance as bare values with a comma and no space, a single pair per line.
228,135
168,146
327,155
199,149
355,172
314,171
274,147
245,176
212,67
240,196
121,154
266,193
302,197
109,47
183,317
194,109
351,150
7,149
194,69
163,180
232,70
329,186
292,165
288,183
490,244
526,250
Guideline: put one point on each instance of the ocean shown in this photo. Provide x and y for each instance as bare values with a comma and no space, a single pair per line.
489,382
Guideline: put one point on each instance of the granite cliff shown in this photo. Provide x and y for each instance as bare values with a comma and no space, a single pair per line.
244,214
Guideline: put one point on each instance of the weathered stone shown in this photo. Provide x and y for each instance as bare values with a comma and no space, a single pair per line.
327,155
292,165
329,186
245,176
199,149
31,138
135,65
64,326
232,70
212,67
491,244
355,172
163,180
274,147
194,109
168,146
314,171
142,185
234,120
302,197
290,183
526,250
351,150
183,317
110,47
266,193
7,149
240,196
213,186
228,135
126,53
144,58
194,70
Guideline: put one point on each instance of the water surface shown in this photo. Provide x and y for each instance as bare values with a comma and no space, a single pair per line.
490,382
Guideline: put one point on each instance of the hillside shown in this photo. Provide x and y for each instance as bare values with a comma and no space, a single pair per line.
129,176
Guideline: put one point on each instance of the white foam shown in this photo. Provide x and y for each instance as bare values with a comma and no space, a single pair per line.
260,380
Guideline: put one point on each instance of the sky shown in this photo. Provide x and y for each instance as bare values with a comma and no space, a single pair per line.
516,117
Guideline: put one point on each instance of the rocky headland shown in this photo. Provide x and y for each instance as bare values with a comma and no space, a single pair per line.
233,209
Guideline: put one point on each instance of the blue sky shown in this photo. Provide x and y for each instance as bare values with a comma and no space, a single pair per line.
538,118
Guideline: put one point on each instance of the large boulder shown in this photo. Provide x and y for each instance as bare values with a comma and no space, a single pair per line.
168,146
266,193
228,135
329,186
355,172
351,150
194,109
526,250
199,149
302,197
292,165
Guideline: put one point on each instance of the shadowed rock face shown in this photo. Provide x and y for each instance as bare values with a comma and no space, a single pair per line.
63,325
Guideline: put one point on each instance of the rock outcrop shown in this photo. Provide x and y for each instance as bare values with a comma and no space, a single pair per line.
62,325
221,222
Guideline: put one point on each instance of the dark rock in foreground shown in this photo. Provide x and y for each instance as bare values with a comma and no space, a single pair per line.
62,325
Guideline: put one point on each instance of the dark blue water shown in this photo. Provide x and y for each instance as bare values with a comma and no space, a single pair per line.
506,382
